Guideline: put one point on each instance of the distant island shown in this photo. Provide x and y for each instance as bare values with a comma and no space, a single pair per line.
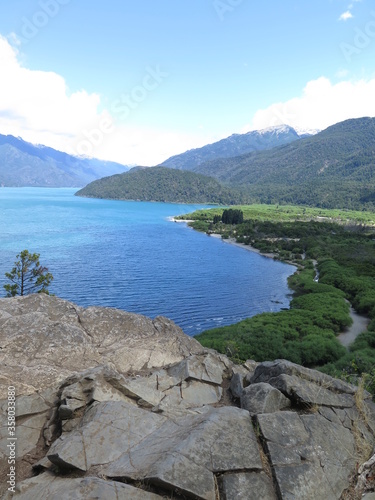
164,185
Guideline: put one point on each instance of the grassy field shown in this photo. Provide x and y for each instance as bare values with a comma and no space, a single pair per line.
284,213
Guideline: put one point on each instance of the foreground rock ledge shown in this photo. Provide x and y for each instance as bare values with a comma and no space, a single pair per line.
115,406
45,339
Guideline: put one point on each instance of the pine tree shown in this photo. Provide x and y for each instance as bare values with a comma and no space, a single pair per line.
27,276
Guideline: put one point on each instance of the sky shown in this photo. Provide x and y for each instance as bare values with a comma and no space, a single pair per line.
139,81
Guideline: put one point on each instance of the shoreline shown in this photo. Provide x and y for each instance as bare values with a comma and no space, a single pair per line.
232,241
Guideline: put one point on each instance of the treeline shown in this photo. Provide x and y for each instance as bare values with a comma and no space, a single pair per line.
230,216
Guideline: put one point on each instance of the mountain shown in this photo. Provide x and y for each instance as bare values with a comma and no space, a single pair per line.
335,168
235,145
162,184
25,164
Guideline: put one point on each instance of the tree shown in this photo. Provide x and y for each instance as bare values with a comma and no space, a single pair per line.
232,216
27,276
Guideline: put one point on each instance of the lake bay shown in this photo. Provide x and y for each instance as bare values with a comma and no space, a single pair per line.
129,255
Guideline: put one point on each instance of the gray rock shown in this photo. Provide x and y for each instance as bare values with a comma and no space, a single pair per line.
309,393
195,445
249,486
236,385
208,368
47,486
250,366
197,394
28,433
104,432
263,398
119,396
63,338
272,369
183,453
311,456
29,405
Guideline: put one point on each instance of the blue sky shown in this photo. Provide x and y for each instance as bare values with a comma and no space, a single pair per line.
138,81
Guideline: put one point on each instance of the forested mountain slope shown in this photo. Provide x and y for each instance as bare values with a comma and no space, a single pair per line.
333,168
161,184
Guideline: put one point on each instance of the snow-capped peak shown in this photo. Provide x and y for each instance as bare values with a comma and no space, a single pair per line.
277,129
306,131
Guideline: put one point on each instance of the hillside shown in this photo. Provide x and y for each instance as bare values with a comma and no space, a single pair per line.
161,184
24,164
335,168
235,145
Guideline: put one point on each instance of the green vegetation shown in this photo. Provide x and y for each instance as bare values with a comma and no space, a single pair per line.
284,213
162,184
27,276
340,245
305,334
334,168
231,216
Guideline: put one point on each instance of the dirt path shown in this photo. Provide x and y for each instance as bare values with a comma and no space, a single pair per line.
360,324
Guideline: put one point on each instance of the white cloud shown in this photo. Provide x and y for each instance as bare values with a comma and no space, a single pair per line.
38,106
321,104
345,16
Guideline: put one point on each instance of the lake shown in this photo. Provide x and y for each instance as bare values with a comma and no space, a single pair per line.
129,255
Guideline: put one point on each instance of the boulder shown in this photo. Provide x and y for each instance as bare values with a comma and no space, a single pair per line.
236,385
263,398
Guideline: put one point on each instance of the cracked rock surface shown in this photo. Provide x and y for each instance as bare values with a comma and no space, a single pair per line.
45,339
122,424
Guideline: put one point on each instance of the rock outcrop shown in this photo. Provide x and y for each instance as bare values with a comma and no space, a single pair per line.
45,339
195,426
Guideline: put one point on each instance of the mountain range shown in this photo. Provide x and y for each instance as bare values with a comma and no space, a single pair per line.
235,145
335,167
26,164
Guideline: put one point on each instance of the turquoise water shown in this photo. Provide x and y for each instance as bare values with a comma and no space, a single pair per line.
129,255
